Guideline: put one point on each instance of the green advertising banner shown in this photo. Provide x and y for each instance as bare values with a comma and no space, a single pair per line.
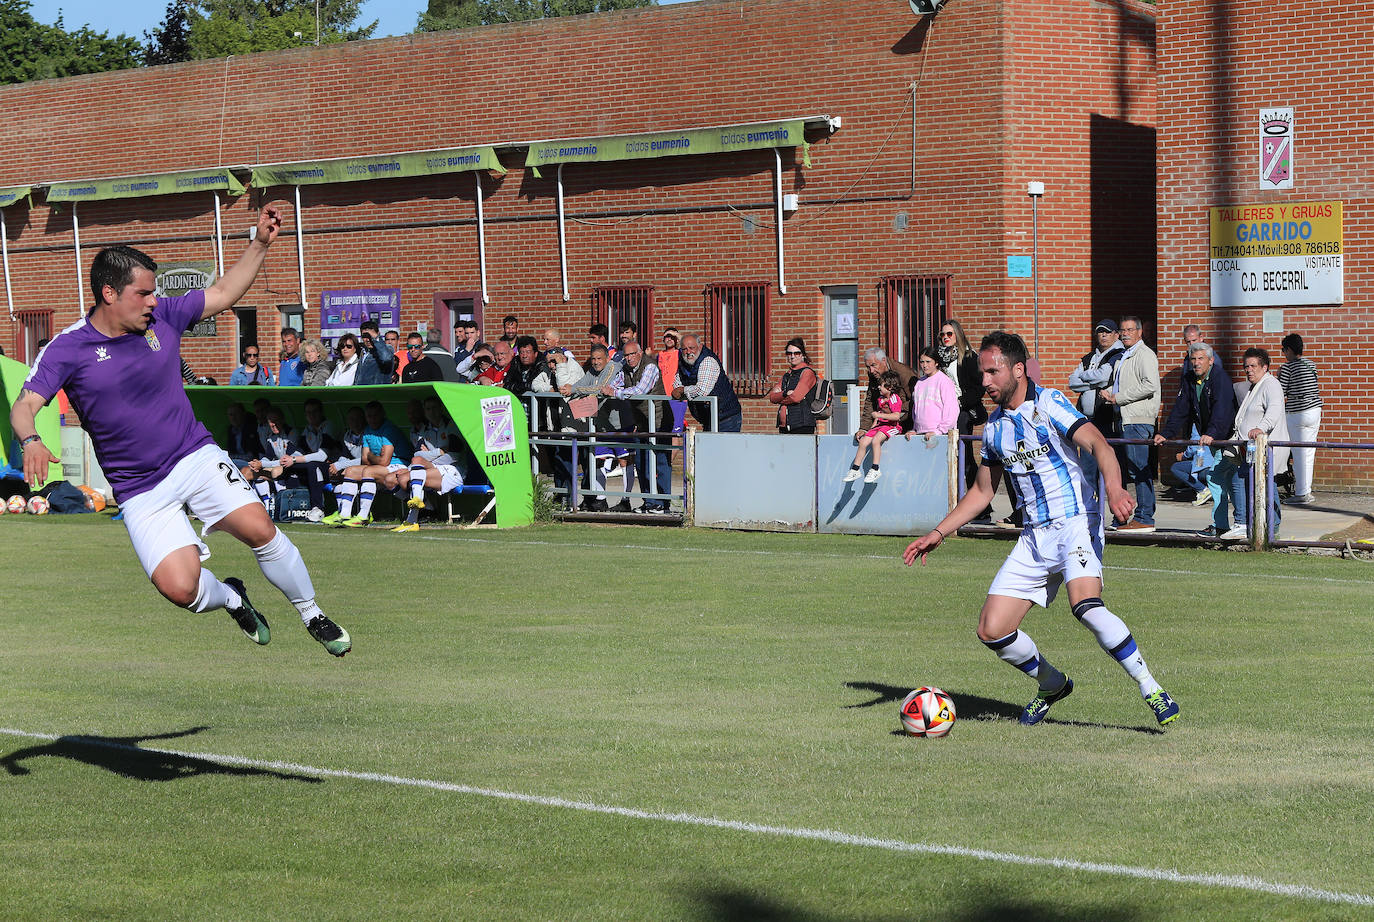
671,144
387,166
95,190
13,194
490,419
13,375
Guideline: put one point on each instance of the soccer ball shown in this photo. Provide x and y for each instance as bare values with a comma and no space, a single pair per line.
38,505
16,503
927,711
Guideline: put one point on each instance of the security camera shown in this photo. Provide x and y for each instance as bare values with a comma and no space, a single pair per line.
926,7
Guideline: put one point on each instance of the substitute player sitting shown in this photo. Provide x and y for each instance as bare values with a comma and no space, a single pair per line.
435,464
121,367
1034,435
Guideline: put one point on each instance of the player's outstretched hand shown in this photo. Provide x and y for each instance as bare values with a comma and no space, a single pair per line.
36,461
269,224
921,547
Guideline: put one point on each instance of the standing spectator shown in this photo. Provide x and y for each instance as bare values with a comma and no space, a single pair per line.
434,349
553,341
370,343
959,361
793,393
289,374
639,377
629,330
510,328
501,356
878,364
934,400
597,336
1206,404
1262,411
420,367
667,359
593,383
393,342
528,365
466,336
315,363
1092,376
1302,400
354,365
251,371
1135,392
1192,333
700,375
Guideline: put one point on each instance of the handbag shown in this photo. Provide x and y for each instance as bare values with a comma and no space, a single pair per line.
583,407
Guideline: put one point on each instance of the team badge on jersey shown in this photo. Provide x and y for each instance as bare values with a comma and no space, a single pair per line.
151,337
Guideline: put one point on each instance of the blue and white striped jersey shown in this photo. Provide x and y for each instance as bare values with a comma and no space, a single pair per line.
1034,444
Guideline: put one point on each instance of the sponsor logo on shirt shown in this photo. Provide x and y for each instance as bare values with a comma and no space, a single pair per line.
101,353
1027,456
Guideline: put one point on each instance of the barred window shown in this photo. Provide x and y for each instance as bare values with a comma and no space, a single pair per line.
34,328
616,304
739,333
916,306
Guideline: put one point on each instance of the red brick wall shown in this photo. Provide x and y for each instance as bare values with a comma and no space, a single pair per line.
1219,65
1004,93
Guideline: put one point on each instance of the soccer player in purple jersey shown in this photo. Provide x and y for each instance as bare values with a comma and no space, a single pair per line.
121,367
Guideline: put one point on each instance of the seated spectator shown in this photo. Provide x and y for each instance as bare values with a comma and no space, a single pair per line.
887,421
793,393
383,447
350,455
420,367
251,371
288,459
315,364
260,408
242,444
355,366
934,398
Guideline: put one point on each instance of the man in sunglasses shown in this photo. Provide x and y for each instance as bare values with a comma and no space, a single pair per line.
419,367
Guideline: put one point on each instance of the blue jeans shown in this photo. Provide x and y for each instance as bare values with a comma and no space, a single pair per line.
1229,490
663,474
1137,470
1183,470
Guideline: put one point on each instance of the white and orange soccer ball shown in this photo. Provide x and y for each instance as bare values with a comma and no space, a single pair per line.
928,712
38,505
17,503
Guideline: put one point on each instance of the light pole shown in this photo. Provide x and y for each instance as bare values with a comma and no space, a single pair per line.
1035,190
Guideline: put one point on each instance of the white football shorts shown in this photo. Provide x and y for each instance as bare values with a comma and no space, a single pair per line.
1046,557
207,483
452,479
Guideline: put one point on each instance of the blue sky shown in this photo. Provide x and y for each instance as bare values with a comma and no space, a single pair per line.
134,17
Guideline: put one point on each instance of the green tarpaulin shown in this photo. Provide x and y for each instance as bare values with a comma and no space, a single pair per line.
94,190
13,374
724,140
12,194
387,166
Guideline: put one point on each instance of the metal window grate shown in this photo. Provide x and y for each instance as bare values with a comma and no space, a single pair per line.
34,328
739,333
617,303
917,305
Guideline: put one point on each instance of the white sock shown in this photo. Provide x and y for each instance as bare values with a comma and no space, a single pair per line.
214,594
1114,637
281,563
417,482
264,489
367,492
344,495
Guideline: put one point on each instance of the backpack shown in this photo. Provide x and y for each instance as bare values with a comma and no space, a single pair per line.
822,398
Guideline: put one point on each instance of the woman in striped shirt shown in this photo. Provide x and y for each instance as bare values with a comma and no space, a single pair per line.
1302,402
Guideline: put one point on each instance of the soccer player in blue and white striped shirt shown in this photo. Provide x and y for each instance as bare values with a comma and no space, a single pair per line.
1035,435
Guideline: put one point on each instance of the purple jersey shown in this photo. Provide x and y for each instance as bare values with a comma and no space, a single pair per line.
128,393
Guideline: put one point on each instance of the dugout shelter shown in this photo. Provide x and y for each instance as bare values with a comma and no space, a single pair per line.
49,423
491,421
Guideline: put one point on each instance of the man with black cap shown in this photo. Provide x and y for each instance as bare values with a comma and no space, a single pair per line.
1093,374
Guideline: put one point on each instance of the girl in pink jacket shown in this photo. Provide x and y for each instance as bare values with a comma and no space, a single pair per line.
935,403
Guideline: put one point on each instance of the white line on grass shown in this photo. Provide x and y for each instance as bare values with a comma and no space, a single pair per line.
893,556
835,837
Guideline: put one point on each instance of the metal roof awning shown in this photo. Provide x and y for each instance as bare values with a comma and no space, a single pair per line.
217,179
383,166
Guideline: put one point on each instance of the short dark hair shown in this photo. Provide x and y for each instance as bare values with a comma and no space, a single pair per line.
370,325
510,318
1010,345
115,266
414,335
599,329
629,325
522,341
1293,343
1255,352
292,330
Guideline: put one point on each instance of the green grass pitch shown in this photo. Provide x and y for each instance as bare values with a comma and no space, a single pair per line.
694,680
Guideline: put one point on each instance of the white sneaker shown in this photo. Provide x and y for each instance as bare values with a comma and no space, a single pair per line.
1240,532
315,514
852,476
872,475
1203,498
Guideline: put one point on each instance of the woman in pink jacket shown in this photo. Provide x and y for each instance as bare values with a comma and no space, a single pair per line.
935,403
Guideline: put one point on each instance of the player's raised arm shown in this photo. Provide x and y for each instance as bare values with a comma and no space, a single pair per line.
37,456
965,511
1089,438
236,281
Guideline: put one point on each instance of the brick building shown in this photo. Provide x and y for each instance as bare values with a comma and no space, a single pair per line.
922,134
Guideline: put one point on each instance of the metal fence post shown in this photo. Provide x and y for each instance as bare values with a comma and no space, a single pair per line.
689,454
1260,492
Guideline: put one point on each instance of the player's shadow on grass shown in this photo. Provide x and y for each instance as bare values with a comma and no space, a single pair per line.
975,707
736,905
123,755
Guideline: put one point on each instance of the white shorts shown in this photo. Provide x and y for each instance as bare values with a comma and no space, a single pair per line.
1048,556
452,479
206,482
